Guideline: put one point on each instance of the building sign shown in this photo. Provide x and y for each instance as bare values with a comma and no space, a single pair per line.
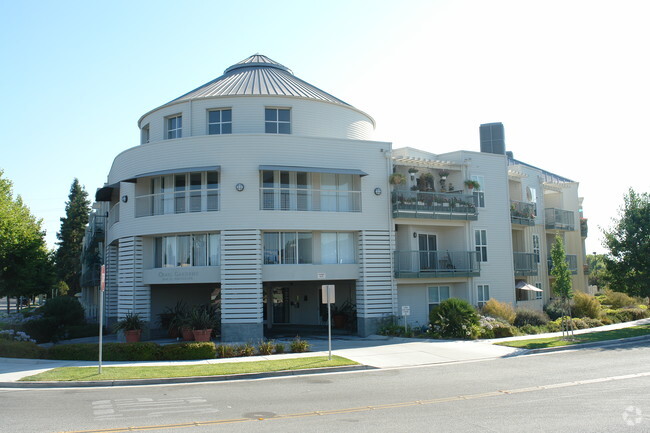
188,275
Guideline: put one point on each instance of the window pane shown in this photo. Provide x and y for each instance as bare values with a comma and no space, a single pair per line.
213,179
195,180
346,248
270,114
271,128
158,252
183,250
214,129
284,128
200,250
433,295
304,248
444,292
169,243
328,248
179,182
271,252
288,253
215,248
214,116
226,128
284,115
226,115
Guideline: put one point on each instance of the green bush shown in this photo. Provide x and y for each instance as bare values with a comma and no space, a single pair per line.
299,346
554,326
265,347
455,318
191,350
21,349
617,300
585,305
245,349
44,329
496,328
110,352
592,323
532,329
530,317
579,324
556,309
627,314
225,351
279,348
499,310
75,352
66,310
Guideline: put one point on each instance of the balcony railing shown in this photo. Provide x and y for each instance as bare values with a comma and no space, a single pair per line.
523,213
434,205
202,200
572,261
559,219
526,264
316,200
436,264
114,214
584,227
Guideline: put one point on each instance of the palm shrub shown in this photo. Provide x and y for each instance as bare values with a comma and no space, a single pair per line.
530,317
499,310
585,305
455,318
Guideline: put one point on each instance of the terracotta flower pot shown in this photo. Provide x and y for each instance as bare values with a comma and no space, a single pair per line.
133,336
188,335
202,334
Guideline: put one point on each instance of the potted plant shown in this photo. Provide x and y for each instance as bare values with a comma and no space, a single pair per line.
174,318
132,326
201,323
343,314
443,174
397,179
471,184
412,172
427,181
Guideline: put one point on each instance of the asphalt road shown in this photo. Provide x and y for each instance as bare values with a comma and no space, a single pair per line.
587,390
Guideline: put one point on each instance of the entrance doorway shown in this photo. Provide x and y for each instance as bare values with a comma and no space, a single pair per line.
428,246
281,305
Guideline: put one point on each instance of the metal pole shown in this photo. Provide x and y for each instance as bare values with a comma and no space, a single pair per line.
329,325
101,327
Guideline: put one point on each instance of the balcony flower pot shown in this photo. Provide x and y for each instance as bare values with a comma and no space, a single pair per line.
133,336
202,334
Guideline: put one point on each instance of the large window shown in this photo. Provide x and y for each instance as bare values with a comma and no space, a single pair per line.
306,191
287,248
483,294
179,193
437,294
277,121
479,195
187,250
220,121
174,126
480,243
337,248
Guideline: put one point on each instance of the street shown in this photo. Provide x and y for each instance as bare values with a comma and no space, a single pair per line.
588,390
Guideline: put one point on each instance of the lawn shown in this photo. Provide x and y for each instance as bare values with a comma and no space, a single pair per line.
120,373
591,337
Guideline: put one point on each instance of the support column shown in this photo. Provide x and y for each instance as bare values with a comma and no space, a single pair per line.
110,294
133,295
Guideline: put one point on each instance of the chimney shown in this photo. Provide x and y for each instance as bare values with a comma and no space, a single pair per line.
492,138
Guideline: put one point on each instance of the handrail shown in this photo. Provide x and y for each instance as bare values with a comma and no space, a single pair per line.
309,199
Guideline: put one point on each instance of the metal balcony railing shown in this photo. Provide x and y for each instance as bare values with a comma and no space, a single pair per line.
523,213
436,264
166,203
315,200
526,264
434,205
572,262
560,219
114,215
584,227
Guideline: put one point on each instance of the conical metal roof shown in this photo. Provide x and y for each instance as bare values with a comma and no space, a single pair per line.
258,75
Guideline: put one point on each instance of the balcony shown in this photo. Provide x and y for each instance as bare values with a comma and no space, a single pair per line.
434,205
522,213
584,227
436,264
114,215
572,261
526,264
315,200
559,219
166,203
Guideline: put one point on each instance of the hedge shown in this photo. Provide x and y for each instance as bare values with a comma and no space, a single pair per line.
21,349
195,350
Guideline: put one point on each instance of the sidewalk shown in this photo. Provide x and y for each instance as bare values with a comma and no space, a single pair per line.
374,352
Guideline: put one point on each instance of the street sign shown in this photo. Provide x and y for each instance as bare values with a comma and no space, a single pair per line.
406,310
102,278
328,294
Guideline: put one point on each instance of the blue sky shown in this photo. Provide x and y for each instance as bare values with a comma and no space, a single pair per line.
569,80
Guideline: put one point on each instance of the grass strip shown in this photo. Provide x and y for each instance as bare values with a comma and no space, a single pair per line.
541,343
120,373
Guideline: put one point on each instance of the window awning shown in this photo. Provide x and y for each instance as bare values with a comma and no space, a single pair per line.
104,193
314,169
529,287
179,170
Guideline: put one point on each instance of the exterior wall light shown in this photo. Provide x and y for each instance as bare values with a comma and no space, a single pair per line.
377,191
239,187
125,198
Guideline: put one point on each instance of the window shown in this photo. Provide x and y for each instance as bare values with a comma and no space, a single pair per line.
480,243
179,193
174,127
437,294
220,121
479,195
144,134
337,248
536,249
187,250
287,248
538,295
277,121
483,294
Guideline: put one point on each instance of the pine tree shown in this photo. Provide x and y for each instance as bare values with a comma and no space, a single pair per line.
68,255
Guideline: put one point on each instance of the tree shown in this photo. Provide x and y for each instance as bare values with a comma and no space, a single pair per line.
26,267
628,241
68,255
562,286
597,271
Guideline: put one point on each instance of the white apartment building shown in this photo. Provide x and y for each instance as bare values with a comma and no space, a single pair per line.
257,188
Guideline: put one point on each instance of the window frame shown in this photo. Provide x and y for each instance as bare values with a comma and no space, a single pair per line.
276,122
145,134
482,294
221,123
161,256
539,295
479,193
280,254
537,251
177,130
440,299
481,247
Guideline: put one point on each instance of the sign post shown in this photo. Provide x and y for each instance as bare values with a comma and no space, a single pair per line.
328,298
102,286
406,311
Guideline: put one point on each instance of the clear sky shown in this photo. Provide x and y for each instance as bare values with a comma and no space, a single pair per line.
570,80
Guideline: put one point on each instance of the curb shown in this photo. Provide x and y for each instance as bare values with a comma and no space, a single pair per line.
617,342
181,380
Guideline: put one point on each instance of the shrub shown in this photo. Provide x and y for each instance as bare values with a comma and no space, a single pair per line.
75,352
555,309
44,329
499,310
265,347
628,314
532,329
64,309
110,352
554,326
279,348
530,317
455,318
245,349
225,351
496,328
20,349
592,323
191,350
579,324
299,346
585,305
617,300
